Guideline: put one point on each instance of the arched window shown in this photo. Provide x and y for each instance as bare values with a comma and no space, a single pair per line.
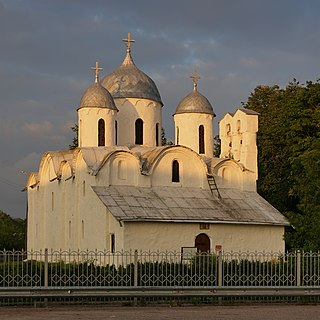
201,139
177,135
101,133
228,129
202,243
139,131
157,134
175,171
116,132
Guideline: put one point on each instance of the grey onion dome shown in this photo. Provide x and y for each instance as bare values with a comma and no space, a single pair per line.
127,81
194,102
96,96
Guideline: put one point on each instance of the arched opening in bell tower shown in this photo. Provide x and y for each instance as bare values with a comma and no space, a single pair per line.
139,131
101,133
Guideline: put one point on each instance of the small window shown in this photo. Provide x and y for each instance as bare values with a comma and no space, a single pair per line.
101,133
175,171
157,134
177,135
139,131
69,229
201,139
52,201
82,229
112,243
116,132
83,188
238,126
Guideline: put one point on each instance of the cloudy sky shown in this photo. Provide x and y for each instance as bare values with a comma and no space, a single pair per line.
48,46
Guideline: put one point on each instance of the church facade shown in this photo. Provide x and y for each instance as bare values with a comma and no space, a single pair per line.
121,190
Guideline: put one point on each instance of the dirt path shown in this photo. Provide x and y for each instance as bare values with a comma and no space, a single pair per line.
262,312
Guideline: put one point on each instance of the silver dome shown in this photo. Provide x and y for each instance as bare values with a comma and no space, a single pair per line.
97,96
127,81
194,102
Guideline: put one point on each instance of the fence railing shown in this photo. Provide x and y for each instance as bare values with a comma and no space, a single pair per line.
60,269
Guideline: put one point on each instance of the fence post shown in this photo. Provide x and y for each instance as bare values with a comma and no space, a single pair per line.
135,274
220,275
298,268
46,267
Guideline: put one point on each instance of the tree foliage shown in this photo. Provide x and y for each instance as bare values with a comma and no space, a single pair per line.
289,153
12,232
74,143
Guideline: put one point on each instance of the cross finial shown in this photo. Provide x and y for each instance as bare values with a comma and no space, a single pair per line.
96,69
195,78
128,41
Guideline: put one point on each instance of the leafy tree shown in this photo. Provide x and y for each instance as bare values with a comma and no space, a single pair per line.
164,140
74,143
12,232
216,146
288,147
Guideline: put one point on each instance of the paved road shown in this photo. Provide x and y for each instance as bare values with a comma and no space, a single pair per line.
262,312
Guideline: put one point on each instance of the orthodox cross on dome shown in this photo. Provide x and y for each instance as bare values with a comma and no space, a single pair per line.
96,69
128,42
195,78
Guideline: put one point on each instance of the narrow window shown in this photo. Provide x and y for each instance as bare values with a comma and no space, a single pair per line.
175,171
69,229
201,139
82,228
83,188
157,134
228,129
101,133
139,131
116,132
112,243
238,126
177,135
52,201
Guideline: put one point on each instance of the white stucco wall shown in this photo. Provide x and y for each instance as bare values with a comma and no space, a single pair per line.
88,119
238,139
172,236
131,109
187,131
192,170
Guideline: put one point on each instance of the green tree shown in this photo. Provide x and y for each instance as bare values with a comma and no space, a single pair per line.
288,137
164,140
12,232
74,143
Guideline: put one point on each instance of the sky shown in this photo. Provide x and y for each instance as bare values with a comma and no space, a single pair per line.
48,46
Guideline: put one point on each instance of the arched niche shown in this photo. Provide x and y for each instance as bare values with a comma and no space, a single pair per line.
124,169
192,169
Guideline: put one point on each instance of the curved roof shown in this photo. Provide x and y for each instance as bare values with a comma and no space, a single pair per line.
127,81
194,102
97,96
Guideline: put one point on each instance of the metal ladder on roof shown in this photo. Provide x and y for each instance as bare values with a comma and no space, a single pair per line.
213,186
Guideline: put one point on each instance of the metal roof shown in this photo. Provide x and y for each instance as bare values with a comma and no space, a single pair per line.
96,96
127,81
194,102
175,204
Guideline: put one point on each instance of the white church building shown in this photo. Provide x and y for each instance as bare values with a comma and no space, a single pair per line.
121,190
